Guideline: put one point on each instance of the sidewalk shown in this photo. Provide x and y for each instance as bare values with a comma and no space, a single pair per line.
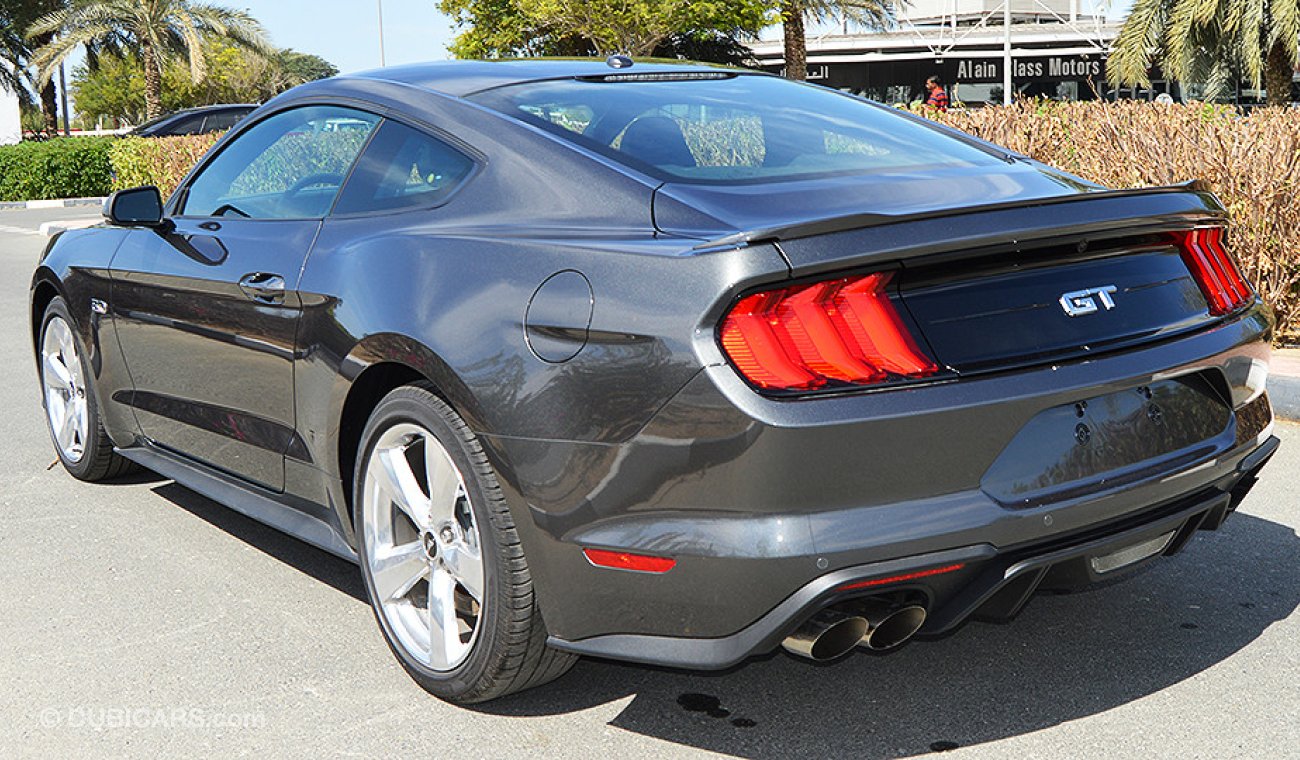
1284,383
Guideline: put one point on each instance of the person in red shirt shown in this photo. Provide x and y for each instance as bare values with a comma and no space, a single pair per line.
937,98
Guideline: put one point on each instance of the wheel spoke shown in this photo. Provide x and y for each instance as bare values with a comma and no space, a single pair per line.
401,484
397,569
73,362
444,628
443,479
77,413
61,417
466,564
57,376
61,334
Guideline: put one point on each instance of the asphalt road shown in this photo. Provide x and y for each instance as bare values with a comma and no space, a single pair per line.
140,619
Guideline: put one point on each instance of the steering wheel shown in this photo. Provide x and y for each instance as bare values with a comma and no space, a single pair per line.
320,178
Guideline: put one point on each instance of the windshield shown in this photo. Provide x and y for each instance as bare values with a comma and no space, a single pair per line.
728,128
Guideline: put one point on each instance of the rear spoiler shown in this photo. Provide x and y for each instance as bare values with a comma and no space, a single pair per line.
847,222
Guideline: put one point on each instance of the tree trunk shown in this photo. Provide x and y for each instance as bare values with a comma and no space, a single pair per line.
152,80
1278,69
49,97
50,108
796,41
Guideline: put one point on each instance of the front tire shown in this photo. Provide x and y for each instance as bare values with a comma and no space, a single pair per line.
442,563
71,409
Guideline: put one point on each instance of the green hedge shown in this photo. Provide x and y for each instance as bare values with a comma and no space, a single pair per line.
67,167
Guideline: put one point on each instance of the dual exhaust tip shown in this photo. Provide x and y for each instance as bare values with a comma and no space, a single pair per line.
872,623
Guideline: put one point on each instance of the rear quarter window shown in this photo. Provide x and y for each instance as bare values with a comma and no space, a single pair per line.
403,168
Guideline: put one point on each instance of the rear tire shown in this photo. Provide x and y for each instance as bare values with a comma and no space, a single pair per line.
454,598
71,408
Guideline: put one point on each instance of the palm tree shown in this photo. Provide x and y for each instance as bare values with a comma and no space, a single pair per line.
872,14
13,54
16,51
156,29
1217,42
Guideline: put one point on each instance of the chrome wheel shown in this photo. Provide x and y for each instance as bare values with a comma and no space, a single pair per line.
65,390
422,547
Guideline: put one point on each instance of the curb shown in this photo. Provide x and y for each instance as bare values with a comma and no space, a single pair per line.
52,203
50,229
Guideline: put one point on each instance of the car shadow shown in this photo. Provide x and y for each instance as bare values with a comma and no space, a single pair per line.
137,478
319,564
1066,657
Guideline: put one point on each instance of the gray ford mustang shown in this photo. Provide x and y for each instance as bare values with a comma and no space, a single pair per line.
664,363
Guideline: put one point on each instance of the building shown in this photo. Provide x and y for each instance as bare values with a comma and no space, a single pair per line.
11,123
981,50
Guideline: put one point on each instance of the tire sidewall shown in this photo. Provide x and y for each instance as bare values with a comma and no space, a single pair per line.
406,405
89,455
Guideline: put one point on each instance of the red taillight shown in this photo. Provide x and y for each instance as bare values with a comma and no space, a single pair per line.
900,578
840,332
1218,277
628,561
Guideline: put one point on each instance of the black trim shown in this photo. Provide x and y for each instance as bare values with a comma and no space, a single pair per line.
765,633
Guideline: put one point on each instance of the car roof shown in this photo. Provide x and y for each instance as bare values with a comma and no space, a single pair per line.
198,110
461,78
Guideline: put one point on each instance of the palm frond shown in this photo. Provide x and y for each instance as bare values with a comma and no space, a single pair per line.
1284,27
871,14
46,60
1140,40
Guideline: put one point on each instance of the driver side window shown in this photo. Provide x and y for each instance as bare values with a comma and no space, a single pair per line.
289,166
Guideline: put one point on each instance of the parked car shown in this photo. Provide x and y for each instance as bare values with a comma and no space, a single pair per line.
194,121
662,363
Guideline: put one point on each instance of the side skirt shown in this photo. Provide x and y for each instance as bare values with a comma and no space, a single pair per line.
242,498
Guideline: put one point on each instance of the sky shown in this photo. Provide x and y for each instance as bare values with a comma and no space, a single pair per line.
346,32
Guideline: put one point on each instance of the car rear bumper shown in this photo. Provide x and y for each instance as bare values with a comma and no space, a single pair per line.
989,585
767,505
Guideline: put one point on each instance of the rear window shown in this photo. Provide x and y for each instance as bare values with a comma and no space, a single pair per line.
726,129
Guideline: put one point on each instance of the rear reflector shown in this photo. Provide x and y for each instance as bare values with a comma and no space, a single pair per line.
838,333
1218,277
643,563
869,583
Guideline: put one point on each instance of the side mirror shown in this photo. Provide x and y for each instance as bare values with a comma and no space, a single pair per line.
137,207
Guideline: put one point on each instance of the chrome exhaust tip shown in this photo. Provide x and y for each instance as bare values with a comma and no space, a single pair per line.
826,635
888,625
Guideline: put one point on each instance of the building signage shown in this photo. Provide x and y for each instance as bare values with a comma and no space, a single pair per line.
1038,67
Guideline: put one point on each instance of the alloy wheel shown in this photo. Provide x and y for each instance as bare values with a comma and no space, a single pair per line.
423,548
65,390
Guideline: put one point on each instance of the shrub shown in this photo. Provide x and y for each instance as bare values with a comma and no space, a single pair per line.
160,161
1252,163
65,167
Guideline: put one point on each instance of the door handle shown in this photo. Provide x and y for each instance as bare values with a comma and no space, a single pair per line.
263,287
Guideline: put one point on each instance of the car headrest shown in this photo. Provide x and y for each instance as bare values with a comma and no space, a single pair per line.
657,140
